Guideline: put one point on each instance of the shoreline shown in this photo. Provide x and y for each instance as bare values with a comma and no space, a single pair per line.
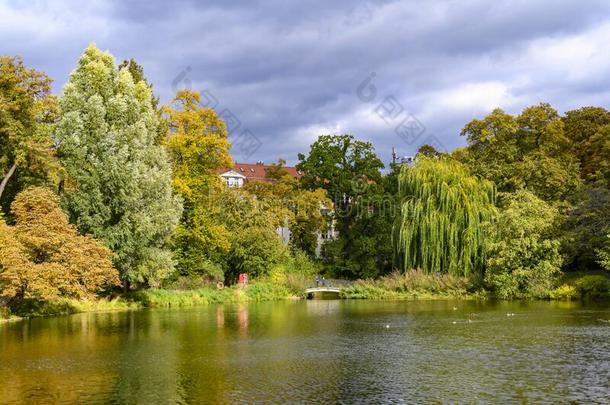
384,289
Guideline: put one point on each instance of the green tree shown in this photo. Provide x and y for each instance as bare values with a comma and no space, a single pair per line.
119,177
26,114
445,216
588,128
604,254
349,170
304,212
529,151
524,257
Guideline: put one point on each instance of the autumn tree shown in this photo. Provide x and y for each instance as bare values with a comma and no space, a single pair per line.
27,112
119,177
198,146
42,257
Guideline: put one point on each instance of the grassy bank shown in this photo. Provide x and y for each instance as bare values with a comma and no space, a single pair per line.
396,286
155,298
257,291
415,285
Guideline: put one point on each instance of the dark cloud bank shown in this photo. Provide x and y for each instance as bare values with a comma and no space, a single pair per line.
289,73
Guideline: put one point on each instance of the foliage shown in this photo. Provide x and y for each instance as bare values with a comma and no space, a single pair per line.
588,128
303,212
42,257
27,112
444,219
593,287
528,151
255,251
586,227
349,170
119,178
524,258
198,146
257,291
604,254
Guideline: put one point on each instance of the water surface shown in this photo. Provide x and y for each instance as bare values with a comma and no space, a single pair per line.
313,351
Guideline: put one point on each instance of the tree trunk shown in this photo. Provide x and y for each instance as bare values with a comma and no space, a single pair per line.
11,171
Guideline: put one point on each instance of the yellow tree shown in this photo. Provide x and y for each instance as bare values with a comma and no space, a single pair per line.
43,257
26,112
198,145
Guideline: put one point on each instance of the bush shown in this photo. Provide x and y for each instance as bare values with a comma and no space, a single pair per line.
564,292
593,287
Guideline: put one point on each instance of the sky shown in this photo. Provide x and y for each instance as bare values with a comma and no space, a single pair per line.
395,73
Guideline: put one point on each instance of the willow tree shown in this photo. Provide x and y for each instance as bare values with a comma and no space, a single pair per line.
444,218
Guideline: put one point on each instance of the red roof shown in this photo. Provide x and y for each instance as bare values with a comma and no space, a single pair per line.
257,171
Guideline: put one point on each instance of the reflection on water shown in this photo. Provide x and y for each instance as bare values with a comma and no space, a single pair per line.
313,351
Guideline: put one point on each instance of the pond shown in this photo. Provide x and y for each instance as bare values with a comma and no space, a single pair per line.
313,351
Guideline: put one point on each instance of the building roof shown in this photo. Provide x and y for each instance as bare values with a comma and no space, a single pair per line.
258,171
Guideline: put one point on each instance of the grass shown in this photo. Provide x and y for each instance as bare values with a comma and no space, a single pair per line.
414,285
154,298
256,291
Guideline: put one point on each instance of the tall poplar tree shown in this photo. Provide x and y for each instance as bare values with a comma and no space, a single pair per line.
119,177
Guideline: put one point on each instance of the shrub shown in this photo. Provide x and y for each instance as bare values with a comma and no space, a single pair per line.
593,287
564,292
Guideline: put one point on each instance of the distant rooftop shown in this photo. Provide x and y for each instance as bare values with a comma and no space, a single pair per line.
254,172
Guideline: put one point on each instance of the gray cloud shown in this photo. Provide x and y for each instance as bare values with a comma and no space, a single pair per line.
290,72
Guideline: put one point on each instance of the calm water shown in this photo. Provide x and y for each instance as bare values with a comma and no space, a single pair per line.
314,351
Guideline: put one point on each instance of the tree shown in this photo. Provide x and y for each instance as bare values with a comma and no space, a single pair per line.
43,257
255,246
444,219
303,211
603,254
26,112
584,231
588,128
119,177
349,170
198,146
428,151
524,257
529,151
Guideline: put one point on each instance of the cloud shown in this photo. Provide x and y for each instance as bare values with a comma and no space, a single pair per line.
289,72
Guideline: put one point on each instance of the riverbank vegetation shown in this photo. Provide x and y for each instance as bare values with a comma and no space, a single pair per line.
112,201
